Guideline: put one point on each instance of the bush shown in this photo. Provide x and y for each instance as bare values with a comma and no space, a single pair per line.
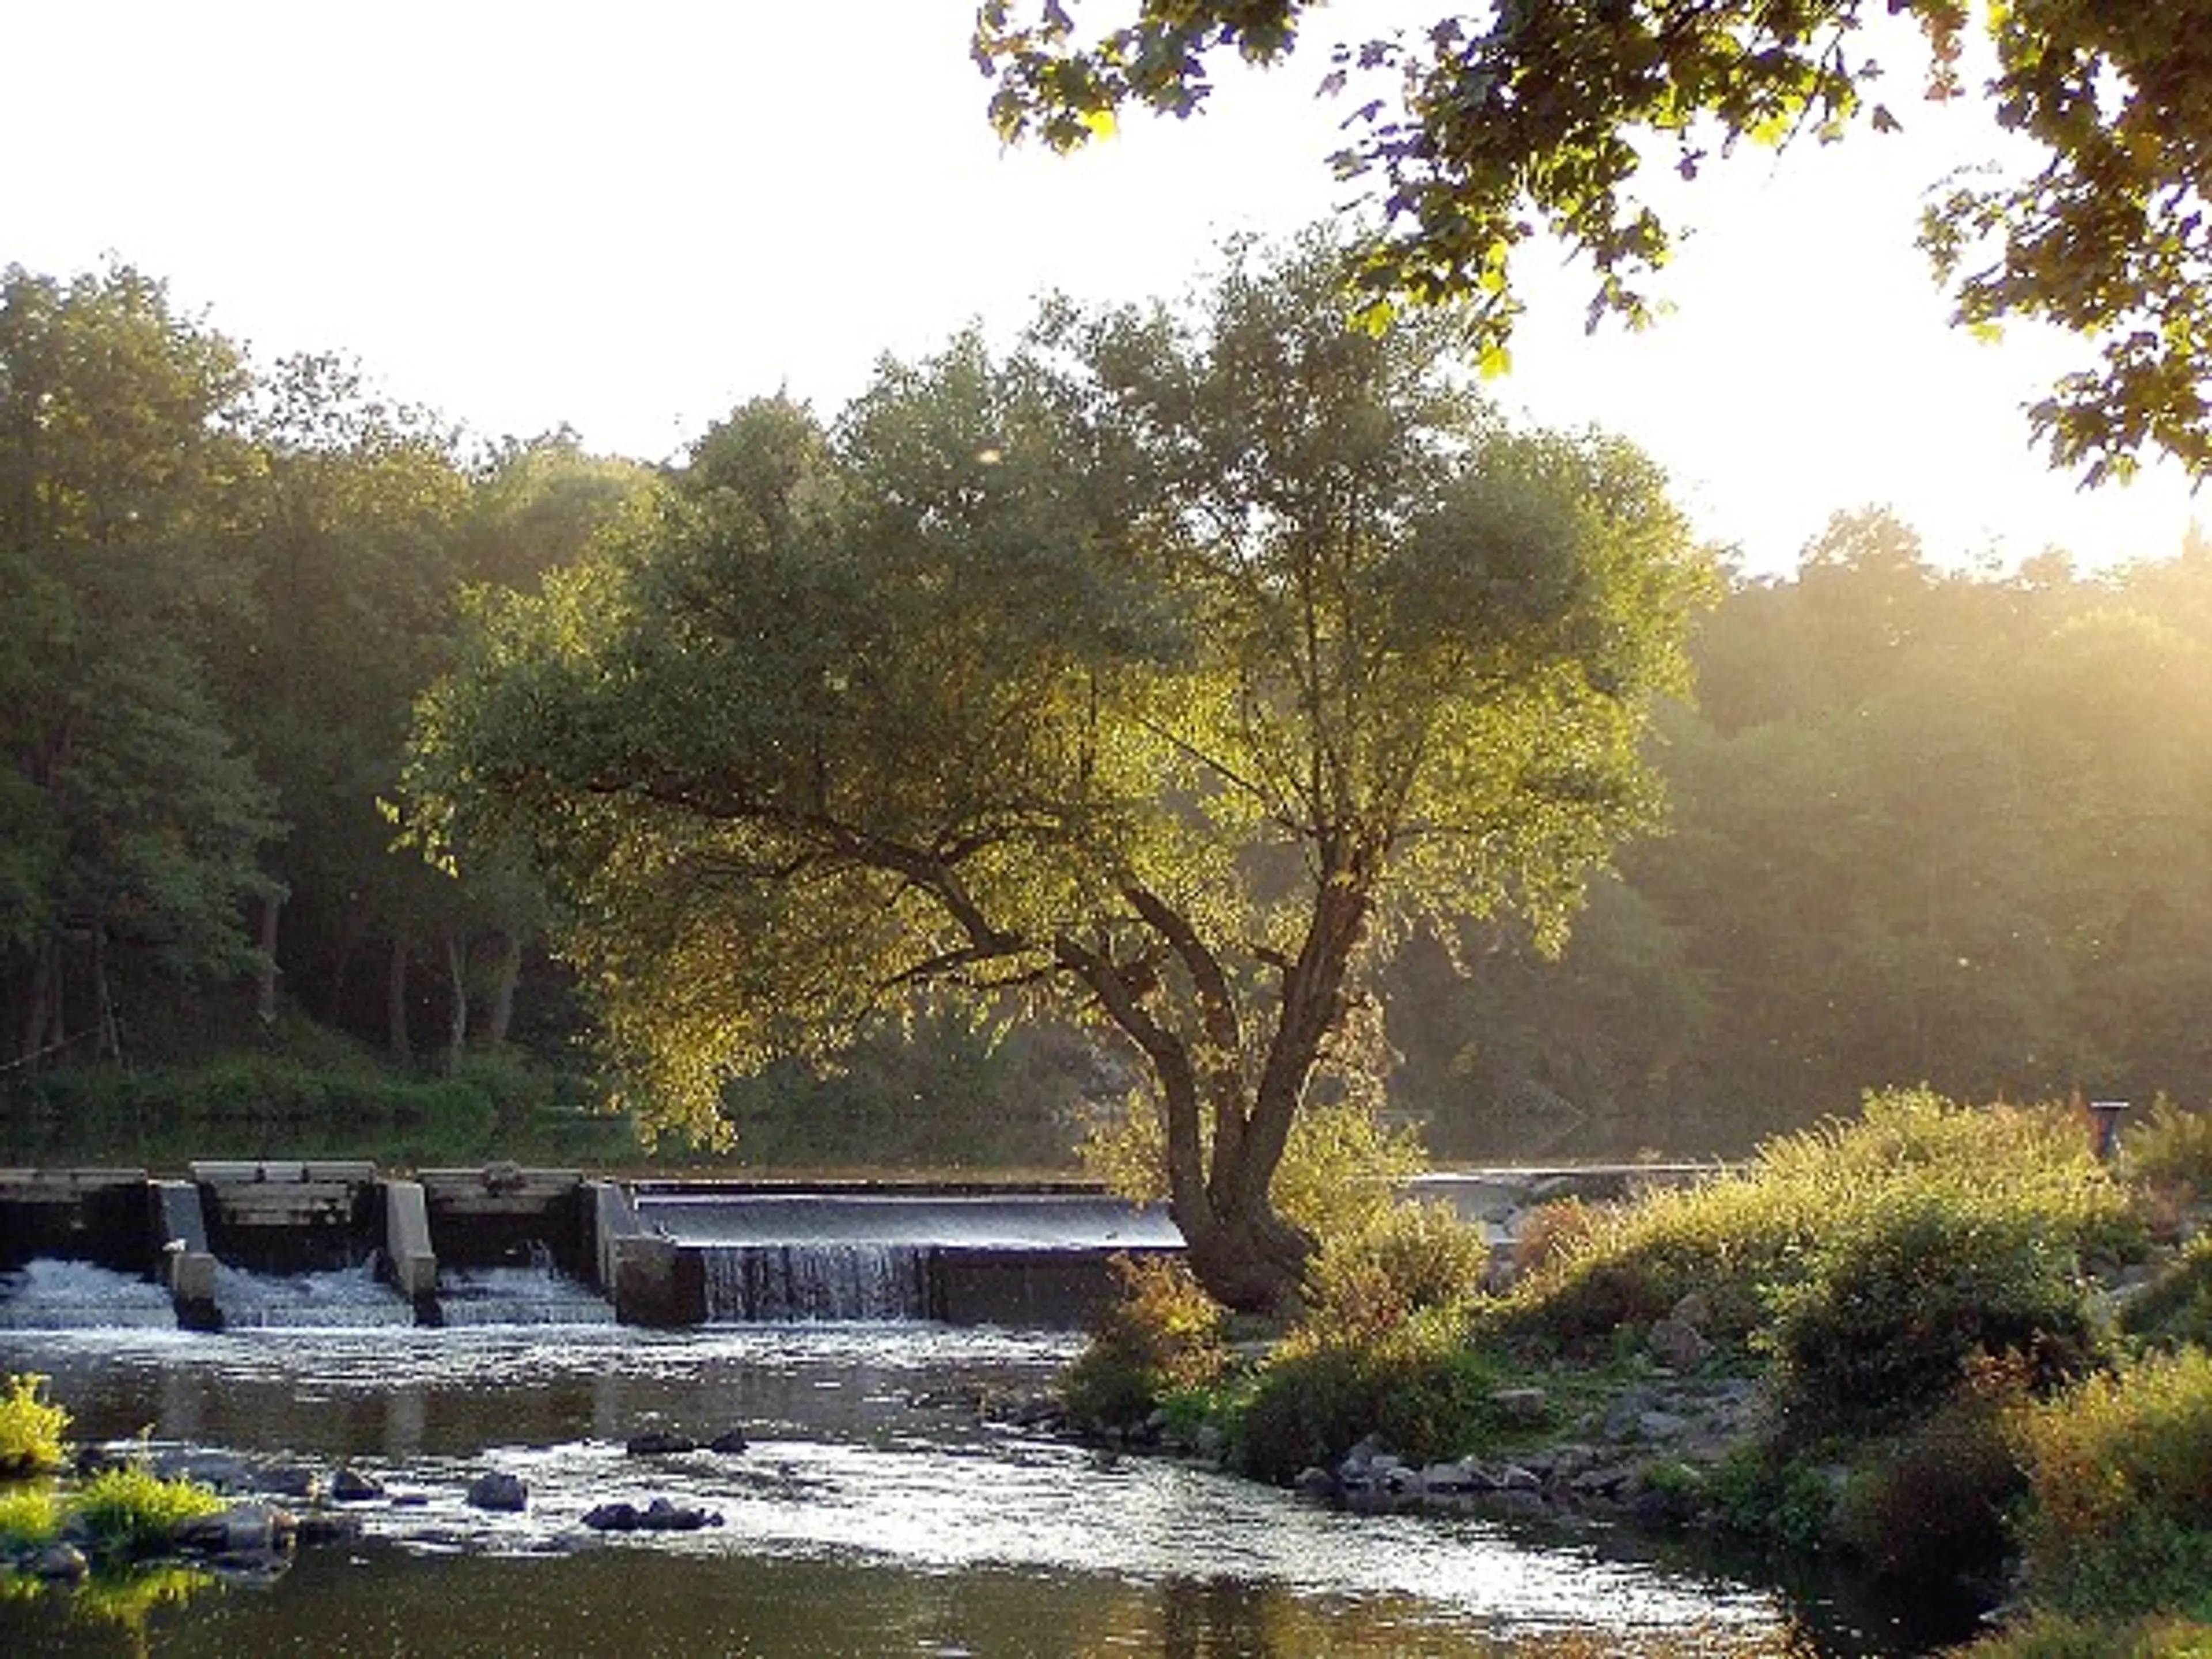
2176,1307
1161,1335
1737,1238
1891,1316
1933,1509
31,1428
1409,1258
2120,1475
2055,1636
130,1508
30,1516
2171,1147
1420,1389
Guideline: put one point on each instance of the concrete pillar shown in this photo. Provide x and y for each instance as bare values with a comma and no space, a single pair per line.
656,1282
612,1218
188,1266
407,1247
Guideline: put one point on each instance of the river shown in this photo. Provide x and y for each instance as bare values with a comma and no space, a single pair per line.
886,1503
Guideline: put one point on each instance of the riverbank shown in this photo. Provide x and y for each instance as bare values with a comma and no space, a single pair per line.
1884,1342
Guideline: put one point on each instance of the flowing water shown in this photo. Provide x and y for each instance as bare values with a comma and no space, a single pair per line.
885,1503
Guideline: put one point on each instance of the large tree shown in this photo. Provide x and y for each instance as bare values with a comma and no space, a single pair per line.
130,825
1501,118
1164,670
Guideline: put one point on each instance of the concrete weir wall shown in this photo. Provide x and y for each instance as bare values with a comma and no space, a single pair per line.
664,1253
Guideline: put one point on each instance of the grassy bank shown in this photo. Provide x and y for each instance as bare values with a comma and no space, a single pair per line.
1954,1345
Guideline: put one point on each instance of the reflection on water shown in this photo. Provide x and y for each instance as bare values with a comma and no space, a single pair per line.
881,1507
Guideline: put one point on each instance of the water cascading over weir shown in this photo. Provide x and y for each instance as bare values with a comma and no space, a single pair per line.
278,1243
963,1256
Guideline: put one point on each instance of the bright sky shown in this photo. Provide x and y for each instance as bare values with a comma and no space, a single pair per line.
628,217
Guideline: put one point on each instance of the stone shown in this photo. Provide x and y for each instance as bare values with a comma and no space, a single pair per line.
612,1517
351,1487
498,1490
248,1533
659,1442
323,1527
58,1563
1452,1478
1676,1344
1521,1405
293,1480
1314,1481
662,1516
729,1443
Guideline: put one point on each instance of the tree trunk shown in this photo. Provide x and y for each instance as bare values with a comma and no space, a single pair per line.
264,993
457,1016
499,1019
1252,1261
108,1035
42,1012
395,1001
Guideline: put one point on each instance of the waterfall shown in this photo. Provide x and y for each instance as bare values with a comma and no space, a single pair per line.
800,1283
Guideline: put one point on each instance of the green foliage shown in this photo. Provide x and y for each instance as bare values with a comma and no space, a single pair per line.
1932,1504
2171,1146
30,1516
2045,1635
1477,133
1891,1314
2176,1306
1418,1389
1412,1258
2120,1472
31,1428
128,1509
1758,1492
1846,1199
1160,1336
264,1106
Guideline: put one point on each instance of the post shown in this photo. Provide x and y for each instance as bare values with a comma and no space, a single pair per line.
2105,1115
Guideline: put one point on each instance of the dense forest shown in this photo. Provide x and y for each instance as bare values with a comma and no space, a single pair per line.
1931,822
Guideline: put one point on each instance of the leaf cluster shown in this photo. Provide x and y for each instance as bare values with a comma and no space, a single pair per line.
1479,132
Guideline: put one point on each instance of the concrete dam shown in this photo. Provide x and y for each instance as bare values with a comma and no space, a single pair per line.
274,1242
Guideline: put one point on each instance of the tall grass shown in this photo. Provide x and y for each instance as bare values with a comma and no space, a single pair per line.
1781,1220
31,1428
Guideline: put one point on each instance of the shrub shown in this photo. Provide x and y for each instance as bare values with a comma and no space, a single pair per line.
1893,1313
1161,1335
1758,1493
1411,1258
2171,1146
1933,1508
30,1516
2120,1475
2055,1636
31,1429
130,1508
2176,1307
1420,1389
1741,1235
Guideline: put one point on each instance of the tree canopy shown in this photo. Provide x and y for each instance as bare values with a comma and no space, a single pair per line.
1497,120
1163,668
